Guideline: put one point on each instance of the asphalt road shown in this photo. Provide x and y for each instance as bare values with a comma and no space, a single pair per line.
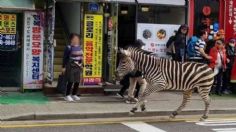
220,125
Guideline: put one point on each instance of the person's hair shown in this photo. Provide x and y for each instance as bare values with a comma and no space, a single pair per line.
201,33
72,35
221,40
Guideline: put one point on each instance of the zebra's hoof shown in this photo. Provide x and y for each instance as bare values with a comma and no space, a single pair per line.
131,113
172,116
203,118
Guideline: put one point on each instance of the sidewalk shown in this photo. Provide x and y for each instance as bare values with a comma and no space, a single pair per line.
111,106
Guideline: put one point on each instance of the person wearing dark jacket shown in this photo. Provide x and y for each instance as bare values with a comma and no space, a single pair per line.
231,54
72,66
180,43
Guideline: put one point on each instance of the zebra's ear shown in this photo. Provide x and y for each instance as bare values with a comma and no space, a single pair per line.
125,52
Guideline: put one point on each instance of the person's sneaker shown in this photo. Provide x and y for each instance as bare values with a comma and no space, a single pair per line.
119,95
131,100
76,98
69,98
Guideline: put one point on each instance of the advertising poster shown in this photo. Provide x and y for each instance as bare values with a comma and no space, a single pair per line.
155,36
33,50
8,32
230,19
93,40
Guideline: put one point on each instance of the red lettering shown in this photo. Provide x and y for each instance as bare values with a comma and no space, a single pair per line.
36,51
36,37
36,44
36,29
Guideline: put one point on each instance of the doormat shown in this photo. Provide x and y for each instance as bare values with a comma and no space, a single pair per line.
23,98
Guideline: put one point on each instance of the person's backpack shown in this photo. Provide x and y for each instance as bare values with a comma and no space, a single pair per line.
191,46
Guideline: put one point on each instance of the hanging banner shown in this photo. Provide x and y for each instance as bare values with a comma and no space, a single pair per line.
93,40
33,50
8,32
155,36
230,19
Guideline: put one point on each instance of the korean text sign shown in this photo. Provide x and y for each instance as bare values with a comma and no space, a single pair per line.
8,32
93,39
33,50
155,36
230,19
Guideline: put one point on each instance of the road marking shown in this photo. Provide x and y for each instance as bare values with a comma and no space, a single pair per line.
142,127
225,130
217,123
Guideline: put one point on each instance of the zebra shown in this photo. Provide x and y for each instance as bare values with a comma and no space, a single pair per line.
164,74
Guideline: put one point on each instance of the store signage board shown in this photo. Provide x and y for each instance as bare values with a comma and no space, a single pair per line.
94,7
230,19
155,36
33,50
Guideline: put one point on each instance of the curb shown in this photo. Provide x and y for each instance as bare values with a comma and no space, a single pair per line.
62,116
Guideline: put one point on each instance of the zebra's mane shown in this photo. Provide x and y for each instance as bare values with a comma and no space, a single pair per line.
135,49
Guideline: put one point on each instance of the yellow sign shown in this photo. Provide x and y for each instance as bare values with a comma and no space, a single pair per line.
93,40
8,23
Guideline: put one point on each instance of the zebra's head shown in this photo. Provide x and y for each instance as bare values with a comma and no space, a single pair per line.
126,64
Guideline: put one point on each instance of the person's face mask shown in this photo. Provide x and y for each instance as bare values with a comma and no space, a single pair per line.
232,44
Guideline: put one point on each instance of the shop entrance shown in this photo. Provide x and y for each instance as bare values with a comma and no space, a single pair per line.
126,25
10,50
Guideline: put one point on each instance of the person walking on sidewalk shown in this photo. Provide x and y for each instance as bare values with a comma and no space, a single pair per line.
180,43
72,67
218,64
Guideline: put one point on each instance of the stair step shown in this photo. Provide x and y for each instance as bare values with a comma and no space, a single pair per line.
56,75
59,36
57,61
61,41
59,54
60,48
57,68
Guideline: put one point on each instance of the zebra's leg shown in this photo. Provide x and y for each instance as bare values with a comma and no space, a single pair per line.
186,97
204,93
150,89
132,86
143,85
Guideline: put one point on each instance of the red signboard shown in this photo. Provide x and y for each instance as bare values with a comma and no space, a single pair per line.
230,19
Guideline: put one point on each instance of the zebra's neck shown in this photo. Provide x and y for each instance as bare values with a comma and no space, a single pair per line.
143,62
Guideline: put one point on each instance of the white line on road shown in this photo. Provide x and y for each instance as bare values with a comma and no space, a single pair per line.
225,130
217,123
142,127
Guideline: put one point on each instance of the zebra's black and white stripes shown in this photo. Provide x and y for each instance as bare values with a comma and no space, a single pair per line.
164,74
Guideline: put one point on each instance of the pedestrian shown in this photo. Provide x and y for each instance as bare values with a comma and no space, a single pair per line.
231,53
170,51
218,64
72,67
180,43
233,76
199,48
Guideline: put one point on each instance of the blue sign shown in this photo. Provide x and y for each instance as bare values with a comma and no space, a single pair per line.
93,7
215,27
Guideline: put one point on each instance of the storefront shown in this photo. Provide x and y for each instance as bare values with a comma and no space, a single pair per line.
212,15
21,41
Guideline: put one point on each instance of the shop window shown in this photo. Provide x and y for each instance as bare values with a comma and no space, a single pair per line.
161,14
206,15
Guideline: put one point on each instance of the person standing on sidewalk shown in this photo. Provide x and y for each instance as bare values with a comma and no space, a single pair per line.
180,43
231,54
200,55
218,64
72,67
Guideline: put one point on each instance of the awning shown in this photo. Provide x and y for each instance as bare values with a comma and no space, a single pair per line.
163,2
17,4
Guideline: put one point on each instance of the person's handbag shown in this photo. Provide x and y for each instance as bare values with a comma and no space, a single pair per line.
61,84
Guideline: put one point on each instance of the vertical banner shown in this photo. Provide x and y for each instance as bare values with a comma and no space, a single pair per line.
155,36
8,32
93,41
230,19
33,50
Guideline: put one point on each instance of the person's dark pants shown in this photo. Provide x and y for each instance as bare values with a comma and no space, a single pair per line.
226,80
219,79
74,90
125,85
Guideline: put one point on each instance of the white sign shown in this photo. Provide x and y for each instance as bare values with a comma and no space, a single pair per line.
33,50
155,36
